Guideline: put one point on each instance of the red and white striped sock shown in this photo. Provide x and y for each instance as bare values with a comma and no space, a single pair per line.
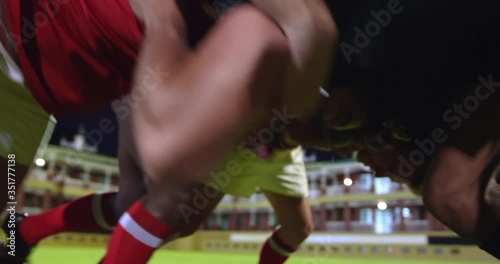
135,238
90,213
275,251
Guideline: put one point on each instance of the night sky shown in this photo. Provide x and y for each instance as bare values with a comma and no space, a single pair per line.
68,127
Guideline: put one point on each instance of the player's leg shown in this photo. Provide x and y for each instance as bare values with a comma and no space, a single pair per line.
127,244
287,190
139,232
195,211
296,223
284,183
94,212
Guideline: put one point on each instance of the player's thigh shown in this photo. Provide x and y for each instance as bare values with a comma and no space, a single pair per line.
294,213
286,187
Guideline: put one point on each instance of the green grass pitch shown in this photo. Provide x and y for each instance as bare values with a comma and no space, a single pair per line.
71,255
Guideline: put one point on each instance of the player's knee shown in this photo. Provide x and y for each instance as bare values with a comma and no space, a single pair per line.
307,229
299,233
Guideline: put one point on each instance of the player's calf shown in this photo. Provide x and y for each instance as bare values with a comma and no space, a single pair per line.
155,219
295,226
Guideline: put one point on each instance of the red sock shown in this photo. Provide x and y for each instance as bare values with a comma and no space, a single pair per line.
136,237
90,213
275,251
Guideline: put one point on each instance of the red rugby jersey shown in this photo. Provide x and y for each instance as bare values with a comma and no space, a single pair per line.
76,55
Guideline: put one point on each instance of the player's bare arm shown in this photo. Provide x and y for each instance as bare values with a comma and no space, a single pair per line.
197,111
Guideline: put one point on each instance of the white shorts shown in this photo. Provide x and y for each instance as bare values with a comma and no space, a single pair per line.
244,173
